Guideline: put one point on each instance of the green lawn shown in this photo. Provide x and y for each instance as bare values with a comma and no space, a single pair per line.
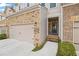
66,49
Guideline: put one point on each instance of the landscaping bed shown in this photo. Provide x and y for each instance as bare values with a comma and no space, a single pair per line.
37,48
66,49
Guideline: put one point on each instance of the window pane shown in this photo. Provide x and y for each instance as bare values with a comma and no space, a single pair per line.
52,5
27,4
42,4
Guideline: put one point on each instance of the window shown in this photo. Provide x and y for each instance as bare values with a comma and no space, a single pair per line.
52,5
19,7
27,4
43,4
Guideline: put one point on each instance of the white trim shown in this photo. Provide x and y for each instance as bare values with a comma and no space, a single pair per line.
40,42
73,32
62,24
43,29
53,7
47,26
59,25
2,25
69,4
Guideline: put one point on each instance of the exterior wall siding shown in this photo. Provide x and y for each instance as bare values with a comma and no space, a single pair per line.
68,12
43,25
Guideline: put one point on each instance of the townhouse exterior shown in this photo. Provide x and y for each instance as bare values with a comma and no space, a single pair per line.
35,22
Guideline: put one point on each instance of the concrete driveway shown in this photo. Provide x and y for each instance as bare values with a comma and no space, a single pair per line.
12,47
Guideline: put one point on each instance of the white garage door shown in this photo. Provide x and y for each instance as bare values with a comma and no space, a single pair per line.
76,32
22,32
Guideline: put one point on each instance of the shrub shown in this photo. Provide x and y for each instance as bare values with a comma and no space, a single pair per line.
3,36
66,49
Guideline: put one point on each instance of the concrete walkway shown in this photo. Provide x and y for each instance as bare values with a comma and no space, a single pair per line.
77,49
12,47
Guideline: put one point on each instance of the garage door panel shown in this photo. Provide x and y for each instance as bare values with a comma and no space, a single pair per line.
22,32
76,32
12,33
76,35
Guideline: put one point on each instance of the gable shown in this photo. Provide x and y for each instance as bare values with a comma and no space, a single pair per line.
9,11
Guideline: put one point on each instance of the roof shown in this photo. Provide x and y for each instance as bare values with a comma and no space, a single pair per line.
22,11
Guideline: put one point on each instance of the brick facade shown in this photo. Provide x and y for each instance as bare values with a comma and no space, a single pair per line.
28,17
68,12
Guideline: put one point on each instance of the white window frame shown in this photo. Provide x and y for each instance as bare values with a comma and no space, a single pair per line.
57,5
53,7
47,5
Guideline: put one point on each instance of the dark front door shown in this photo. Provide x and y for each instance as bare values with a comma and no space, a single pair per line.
53,26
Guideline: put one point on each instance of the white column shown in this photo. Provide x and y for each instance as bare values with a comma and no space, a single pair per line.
61,23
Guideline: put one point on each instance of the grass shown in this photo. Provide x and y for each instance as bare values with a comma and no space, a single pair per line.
39,48
66,49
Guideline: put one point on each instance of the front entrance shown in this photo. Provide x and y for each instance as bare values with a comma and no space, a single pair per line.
53,28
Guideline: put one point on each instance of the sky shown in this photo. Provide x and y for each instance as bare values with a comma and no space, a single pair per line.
3,5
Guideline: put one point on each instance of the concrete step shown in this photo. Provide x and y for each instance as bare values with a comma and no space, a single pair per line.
52,37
